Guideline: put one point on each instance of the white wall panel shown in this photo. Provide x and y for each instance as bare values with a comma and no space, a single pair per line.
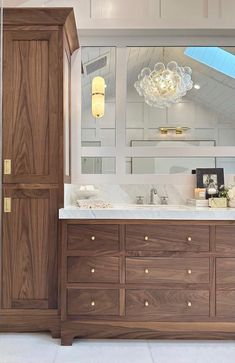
119,9
134,134
205,133
226,137
134,114
182,114
227,8
183,8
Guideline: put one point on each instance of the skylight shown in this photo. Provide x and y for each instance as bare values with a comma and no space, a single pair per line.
213,57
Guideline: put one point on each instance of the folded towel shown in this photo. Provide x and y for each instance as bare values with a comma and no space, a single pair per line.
93,203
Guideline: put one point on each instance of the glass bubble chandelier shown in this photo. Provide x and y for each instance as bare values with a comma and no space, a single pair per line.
165,85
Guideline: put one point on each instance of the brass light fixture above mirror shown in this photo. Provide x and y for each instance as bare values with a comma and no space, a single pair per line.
164,130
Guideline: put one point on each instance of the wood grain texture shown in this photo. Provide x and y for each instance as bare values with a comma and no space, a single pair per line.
80,302
170,238
93,269
135,330
34,320
225,270
225,239
30,118
173,295
26,246
33,16
225,303
71,32
167,302
106,238
30,130
67,111
169,270
33,72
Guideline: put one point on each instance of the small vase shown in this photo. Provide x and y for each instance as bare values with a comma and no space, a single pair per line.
231,203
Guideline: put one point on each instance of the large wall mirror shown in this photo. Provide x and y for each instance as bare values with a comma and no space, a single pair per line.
203,117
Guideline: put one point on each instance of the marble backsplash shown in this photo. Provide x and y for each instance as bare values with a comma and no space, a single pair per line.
127,193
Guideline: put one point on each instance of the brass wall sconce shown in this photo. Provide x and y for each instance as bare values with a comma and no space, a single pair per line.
98,97
164,130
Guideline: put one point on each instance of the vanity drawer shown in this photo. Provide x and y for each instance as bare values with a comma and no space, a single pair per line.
225,303
169,270
93,269
93,302
225,270
167,302
167,238
89,237
225,239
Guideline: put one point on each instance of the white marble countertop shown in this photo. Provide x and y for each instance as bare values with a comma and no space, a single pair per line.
149,212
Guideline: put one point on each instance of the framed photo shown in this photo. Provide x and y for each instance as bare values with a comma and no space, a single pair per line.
211,179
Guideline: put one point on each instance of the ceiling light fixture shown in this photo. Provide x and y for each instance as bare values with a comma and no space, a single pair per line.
98,97
197,86
165,85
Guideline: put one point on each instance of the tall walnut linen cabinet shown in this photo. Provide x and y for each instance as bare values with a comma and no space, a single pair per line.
38,44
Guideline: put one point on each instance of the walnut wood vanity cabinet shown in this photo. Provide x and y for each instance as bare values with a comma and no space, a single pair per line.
38,44
147,279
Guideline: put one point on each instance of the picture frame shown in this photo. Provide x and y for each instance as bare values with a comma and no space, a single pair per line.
211,179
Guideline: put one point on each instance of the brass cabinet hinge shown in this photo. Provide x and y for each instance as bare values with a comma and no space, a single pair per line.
7,167
7,205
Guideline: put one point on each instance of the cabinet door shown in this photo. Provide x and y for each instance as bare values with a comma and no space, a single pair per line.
30,111
30,249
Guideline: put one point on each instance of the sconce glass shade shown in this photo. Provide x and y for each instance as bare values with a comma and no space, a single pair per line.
98,97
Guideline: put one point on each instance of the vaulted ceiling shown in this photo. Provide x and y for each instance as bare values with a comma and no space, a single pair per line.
217,90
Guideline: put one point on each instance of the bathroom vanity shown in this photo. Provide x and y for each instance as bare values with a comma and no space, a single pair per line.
148,278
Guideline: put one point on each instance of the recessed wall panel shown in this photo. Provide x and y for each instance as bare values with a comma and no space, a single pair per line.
119,9
183,8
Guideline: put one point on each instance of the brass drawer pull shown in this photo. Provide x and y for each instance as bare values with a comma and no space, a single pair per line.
146,238
189,272
146,271
93,238
146,303
189,304
93,303
189,239
92,270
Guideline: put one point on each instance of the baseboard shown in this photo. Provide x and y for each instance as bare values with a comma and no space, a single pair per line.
145,330
30,321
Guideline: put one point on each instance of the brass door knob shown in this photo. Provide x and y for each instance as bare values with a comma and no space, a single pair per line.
93,303
146,303
92,270
146,238
189,272
93,238
189,304
146,271
189,239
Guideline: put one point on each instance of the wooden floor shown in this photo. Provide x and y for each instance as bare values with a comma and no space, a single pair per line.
41,348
